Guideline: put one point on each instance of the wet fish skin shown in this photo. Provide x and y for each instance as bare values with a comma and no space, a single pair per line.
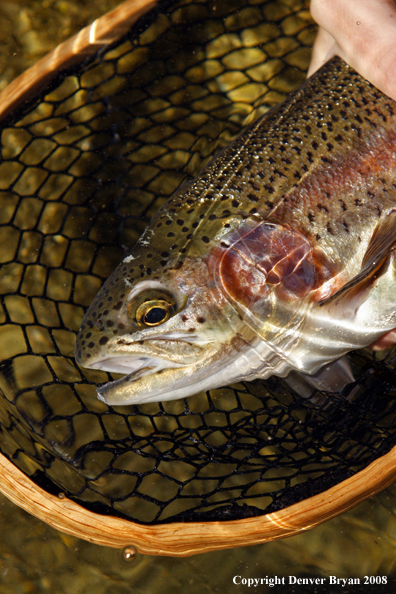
252,256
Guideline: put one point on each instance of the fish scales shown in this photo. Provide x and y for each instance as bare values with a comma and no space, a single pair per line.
277,257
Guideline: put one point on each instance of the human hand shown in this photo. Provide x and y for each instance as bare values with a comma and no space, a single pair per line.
361,32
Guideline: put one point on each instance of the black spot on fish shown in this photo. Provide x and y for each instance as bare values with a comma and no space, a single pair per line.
329,229
357,129
90,345
201,320
205,239
252,197
103,340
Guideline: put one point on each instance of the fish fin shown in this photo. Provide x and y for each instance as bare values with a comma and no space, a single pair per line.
332,377
382,242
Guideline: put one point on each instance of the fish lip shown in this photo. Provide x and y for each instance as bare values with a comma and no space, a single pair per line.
130,378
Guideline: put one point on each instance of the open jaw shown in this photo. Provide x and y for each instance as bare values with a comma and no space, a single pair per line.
156,381
151,379
133,369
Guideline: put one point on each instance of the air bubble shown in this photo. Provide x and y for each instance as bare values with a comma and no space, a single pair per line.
129,553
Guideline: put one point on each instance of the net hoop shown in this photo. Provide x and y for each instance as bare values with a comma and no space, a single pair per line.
183,539
102,32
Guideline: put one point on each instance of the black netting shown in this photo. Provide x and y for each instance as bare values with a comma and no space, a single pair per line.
84,167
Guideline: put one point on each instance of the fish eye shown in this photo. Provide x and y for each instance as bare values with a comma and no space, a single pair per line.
152,310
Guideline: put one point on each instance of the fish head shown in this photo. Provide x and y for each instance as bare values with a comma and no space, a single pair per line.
169,331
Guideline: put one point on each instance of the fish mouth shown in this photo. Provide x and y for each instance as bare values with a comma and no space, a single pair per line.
125,365
153,380
144,366
133,369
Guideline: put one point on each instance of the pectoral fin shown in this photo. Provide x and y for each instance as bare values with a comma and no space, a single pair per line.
374,263
332,377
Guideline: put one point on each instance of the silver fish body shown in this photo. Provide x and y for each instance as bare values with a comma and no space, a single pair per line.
278,257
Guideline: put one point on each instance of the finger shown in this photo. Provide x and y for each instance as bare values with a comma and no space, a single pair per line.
323,49
365,34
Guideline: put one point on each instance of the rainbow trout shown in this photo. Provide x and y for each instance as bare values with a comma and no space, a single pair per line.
278,257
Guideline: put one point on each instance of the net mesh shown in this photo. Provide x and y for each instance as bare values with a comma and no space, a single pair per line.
83,168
